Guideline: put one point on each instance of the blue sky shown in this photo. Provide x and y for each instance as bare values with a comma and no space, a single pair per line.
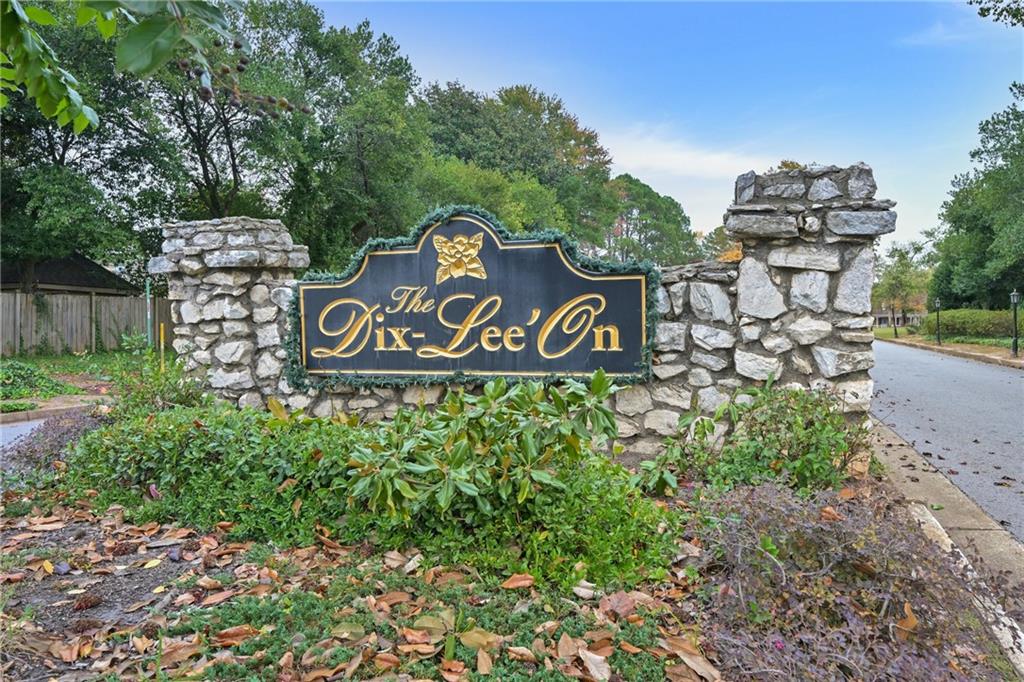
688,95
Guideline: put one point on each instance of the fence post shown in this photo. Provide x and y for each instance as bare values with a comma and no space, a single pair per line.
92,321
17,322
149,316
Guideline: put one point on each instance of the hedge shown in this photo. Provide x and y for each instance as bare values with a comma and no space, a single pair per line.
972,322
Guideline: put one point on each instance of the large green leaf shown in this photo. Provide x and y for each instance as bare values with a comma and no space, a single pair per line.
149,45
40,15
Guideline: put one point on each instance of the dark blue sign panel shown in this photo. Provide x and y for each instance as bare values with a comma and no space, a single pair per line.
462,299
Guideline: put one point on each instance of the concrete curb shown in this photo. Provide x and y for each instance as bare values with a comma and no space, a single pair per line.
1006,630
955,352
922,485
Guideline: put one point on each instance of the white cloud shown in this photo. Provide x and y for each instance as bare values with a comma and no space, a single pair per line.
648,149
699,178
940,33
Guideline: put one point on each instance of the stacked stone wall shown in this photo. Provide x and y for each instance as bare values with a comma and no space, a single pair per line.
795,307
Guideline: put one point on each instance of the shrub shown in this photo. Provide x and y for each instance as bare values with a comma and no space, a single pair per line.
833,587
506,479
800,437
972,322
136,344
22,380
142,388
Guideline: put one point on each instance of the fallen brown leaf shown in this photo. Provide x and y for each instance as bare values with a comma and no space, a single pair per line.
386,661
618,604
830,514
176,652
692,657
596,665
518,581
218,597
629,648
235,635
906,625
567,647
484,664
521,653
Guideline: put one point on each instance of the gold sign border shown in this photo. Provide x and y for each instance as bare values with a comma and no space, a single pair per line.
502,245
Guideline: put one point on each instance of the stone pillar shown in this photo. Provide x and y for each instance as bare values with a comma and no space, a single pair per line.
804,284
230,282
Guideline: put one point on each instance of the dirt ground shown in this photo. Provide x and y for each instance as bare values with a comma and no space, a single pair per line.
72,581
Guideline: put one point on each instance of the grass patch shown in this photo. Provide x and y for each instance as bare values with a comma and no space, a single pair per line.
98,366
994,342
17,406
444,609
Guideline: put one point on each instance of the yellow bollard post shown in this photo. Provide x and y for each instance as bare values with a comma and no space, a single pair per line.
161,347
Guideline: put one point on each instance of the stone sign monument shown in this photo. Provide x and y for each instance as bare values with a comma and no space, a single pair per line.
462,299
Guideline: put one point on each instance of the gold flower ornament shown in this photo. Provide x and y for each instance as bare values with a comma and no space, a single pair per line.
459,257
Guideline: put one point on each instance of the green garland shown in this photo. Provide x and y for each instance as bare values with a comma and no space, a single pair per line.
300,379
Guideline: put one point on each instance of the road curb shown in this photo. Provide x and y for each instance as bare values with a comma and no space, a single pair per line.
1006,630
965,519
967,355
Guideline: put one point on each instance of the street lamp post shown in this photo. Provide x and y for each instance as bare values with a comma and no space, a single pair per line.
938,327
1014,300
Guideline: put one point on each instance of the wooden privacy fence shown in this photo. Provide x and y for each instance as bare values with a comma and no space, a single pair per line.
57,323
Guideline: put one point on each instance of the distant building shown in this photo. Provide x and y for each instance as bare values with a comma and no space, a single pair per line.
910,316
74,274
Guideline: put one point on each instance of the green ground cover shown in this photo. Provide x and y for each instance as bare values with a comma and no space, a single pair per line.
19,380
17,406
490,537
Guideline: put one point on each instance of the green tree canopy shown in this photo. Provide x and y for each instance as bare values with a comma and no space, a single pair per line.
650,226
371,154
980,245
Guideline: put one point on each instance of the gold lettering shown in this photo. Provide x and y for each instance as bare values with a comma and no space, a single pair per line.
356,324
613,337
481,312
410,299
399,295
511,335
575,315
490,338
398,336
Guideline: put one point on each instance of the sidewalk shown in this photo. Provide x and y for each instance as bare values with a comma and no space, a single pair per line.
965,522
992,356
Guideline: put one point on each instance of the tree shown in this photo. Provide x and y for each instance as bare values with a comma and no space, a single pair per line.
521,201
522,130
1007,11
716,243
114,165
902,279
980,244
157,32
58,212
650,226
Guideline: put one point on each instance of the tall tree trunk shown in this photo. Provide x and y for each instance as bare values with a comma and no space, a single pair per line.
895,329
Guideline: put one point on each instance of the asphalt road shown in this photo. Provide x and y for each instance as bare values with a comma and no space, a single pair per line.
12,432
965,417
